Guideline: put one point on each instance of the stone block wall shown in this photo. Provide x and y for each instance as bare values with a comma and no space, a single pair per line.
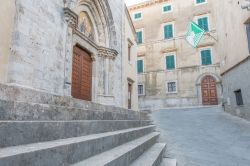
38,45
236,79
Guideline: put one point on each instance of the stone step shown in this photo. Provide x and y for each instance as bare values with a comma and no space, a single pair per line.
13,133
122,155
25,95
168,162
12,110
152,157
73,150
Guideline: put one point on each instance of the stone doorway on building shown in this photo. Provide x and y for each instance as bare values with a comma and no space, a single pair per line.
209,91
81,74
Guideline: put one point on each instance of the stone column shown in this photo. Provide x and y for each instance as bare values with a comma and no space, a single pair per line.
106,75
71,18
108,55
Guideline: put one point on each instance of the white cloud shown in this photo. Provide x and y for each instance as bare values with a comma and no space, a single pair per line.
132,2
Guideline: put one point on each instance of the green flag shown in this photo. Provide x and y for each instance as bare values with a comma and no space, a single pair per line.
194,35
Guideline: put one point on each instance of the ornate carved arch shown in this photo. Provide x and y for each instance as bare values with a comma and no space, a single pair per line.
101,16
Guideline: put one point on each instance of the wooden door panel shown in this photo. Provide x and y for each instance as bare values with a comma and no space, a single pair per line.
209,91
81,75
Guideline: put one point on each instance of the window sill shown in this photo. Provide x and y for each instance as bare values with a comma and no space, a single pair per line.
170,70
170,39
168,93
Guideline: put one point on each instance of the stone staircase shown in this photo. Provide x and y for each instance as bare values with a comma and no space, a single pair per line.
40,129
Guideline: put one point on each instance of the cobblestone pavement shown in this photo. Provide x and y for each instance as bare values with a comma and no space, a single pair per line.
204,137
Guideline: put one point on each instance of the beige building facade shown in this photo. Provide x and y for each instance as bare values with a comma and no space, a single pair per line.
171,73
234,42
129,64
68,48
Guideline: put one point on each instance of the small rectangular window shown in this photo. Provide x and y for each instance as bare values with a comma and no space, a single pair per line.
170,62
137,16
140,66
203,23
171,87
239,99
206,58
139,37
167,8
200,1
140,90
168,31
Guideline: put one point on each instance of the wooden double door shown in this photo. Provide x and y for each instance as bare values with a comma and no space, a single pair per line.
82,74
209,91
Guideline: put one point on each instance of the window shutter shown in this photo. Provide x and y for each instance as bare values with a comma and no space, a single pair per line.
206,57
248,35
209,57
203,23
170,62
140,66
139,37
168,31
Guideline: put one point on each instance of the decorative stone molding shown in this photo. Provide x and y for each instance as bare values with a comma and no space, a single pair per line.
107,53
71,17
84,37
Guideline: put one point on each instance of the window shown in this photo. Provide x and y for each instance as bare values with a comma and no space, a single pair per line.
239,99
138,16
141,90
248,35
170,62
140,66
172,87
139,37
200,1
168,31
206,58
203,23
167,8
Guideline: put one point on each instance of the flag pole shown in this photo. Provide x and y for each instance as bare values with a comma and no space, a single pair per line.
211,36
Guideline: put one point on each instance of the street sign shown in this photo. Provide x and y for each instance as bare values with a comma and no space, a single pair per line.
194,34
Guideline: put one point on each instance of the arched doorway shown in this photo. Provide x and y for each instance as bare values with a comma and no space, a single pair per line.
81,74
209,91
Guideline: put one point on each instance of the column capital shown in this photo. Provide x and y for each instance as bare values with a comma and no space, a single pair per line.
107,53
70,17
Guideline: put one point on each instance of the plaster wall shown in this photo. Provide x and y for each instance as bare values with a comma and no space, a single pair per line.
154,49
129,66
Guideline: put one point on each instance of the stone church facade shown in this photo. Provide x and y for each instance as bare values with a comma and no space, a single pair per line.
68,48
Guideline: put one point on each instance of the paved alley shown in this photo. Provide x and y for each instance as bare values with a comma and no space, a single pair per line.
204,137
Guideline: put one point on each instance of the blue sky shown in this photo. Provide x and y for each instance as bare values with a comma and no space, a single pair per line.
132,2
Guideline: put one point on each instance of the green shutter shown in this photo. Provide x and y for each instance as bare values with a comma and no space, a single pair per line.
137,15
170,62
168,31
206,57
140,66
139,37
167,8
200,1
203,23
